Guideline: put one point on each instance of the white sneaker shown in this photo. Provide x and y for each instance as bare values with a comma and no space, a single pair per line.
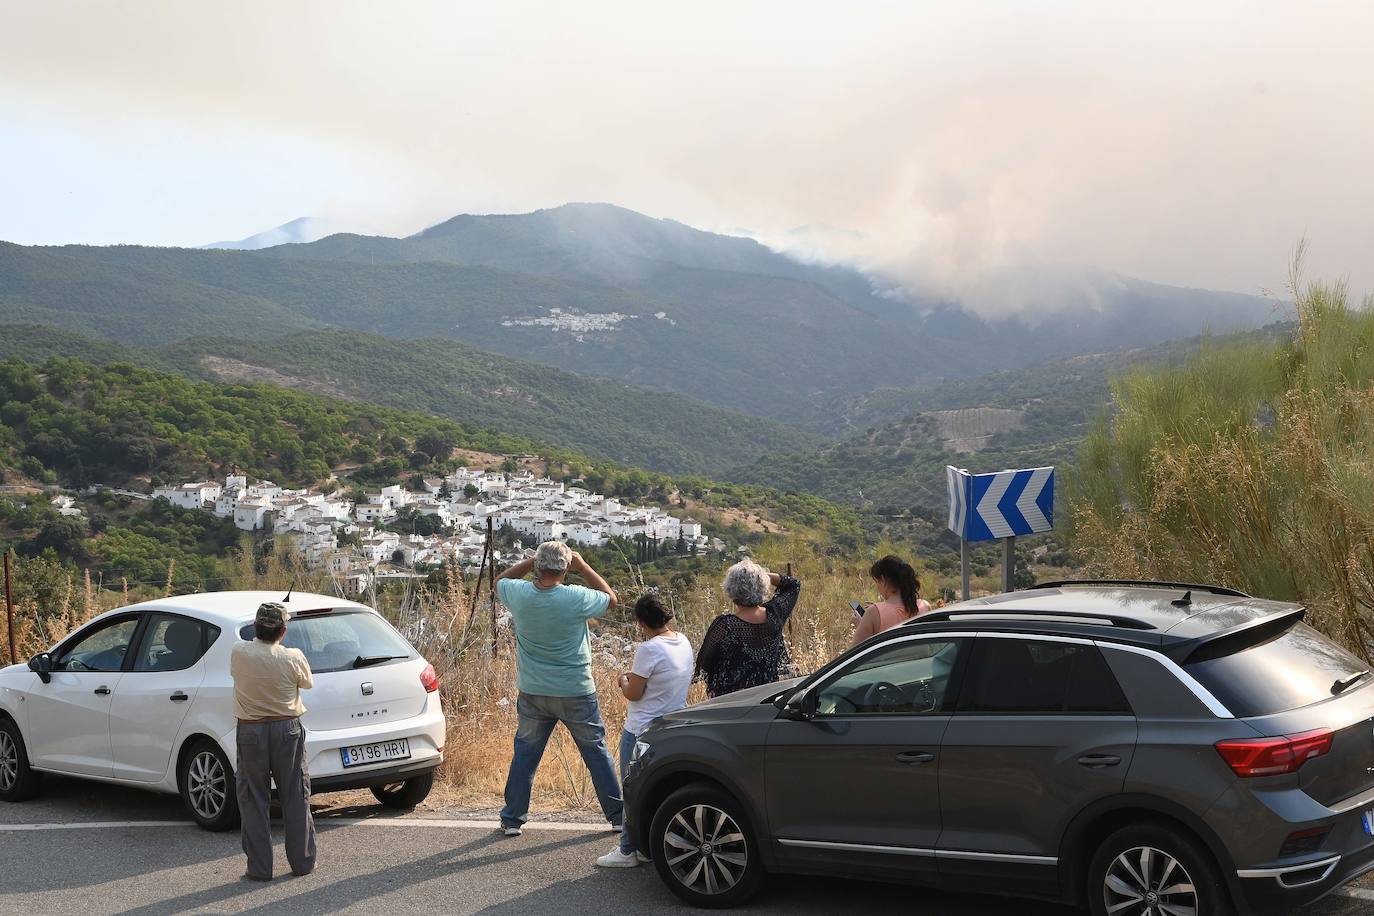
642,858
511,831
617,859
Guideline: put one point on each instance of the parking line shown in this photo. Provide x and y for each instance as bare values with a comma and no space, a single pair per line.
450,823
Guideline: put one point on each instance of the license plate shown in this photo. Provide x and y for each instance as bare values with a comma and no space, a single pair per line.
1368,820
362,754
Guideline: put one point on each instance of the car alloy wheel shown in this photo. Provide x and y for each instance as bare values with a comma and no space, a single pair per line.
207,785
9,762
705,849
1144,881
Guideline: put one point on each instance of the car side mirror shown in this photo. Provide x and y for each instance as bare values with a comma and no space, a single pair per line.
798,707
41,665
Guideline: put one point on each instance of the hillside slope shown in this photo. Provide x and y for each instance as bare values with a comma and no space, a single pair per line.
73,422
607,420
599,290
649,428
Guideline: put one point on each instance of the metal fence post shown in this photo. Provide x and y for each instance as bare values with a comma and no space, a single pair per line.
9,611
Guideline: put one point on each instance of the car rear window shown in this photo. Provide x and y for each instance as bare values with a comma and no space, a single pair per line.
336,640
1012,676
1294,670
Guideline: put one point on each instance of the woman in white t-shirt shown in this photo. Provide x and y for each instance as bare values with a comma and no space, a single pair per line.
656,684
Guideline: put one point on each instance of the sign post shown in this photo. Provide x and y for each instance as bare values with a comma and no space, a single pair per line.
1000,506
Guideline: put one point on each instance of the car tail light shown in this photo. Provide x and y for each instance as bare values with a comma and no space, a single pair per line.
1303,841
1274,756
429,679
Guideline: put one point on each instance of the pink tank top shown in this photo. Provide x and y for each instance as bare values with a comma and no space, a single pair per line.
891,612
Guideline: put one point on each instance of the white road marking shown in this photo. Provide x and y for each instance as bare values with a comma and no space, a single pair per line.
459,823
450,823
92,825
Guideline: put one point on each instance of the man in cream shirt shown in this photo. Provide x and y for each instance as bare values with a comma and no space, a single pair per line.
268,679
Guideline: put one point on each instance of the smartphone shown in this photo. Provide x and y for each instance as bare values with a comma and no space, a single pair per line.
858,607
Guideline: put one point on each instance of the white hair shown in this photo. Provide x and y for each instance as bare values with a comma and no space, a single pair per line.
746,583
553,557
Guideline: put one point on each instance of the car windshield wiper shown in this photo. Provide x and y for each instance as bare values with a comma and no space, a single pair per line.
362,661
1346,683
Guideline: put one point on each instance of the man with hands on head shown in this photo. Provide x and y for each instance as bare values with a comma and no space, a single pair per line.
554,659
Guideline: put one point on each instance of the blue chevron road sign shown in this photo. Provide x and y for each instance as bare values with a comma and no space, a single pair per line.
984,507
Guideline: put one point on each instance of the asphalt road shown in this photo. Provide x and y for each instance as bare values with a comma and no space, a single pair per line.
75,851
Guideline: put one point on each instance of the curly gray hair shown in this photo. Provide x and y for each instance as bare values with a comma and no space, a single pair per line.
746,583
552,557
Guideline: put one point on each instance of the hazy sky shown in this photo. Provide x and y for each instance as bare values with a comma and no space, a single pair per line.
1189,143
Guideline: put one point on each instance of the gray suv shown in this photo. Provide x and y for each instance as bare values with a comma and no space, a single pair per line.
1141,749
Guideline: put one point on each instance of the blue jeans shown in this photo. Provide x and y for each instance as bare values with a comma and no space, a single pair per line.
538,716
627,750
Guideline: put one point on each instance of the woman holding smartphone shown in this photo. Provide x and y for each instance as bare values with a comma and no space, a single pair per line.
900,589
656,684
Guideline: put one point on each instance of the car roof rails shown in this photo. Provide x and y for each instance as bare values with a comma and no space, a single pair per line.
1144,583
1036,615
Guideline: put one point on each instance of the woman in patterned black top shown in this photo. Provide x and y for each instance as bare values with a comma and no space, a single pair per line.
745,647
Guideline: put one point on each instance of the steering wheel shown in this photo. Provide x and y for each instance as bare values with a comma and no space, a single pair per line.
883,695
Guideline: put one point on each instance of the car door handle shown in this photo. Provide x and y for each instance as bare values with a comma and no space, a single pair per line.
915,758
1099,761
179,697
102,690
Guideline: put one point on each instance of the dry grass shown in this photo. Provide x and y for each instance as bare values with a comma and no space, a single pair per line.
1251,466
478,688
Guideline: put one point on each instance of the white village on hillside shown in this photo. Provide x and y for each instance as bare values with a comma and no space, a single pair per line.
535,508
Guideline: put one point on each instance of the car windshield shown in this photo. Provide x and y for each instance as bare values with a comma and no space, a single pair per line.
1297,669
336,640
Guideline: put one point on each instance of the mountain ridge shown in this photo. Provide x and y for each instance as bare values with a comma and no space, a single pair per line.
594,289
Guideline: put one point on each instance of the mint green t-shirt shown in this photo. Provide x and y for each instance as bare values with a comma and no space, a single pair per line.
551,642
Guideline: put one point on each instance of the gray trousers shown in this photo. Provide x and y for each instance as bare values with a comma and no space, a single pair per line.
270,750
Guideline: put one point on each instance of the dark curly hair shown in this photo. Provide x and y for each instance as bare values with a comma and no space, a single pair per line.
651,611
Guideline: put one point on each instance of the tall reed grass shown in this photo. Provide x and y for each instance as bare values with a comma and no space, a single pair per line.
1250,465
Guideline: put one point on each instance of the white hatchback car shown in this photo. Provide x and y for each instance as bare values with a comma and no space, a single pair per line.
142,696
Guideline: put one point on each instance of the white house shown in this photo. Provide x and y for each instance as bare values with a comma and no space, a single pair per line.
228,501
249,514
66,506
189,495
377,510
265,490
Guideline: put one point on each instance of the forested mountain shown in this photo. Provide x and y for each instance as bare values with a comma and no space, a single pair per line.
607,420
75,423
644,427
894,443
599,290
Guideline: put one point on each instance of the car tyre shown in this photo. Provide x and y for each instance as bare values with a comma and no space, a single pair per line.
18,781
704,847
405,795
207,787
1140,867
